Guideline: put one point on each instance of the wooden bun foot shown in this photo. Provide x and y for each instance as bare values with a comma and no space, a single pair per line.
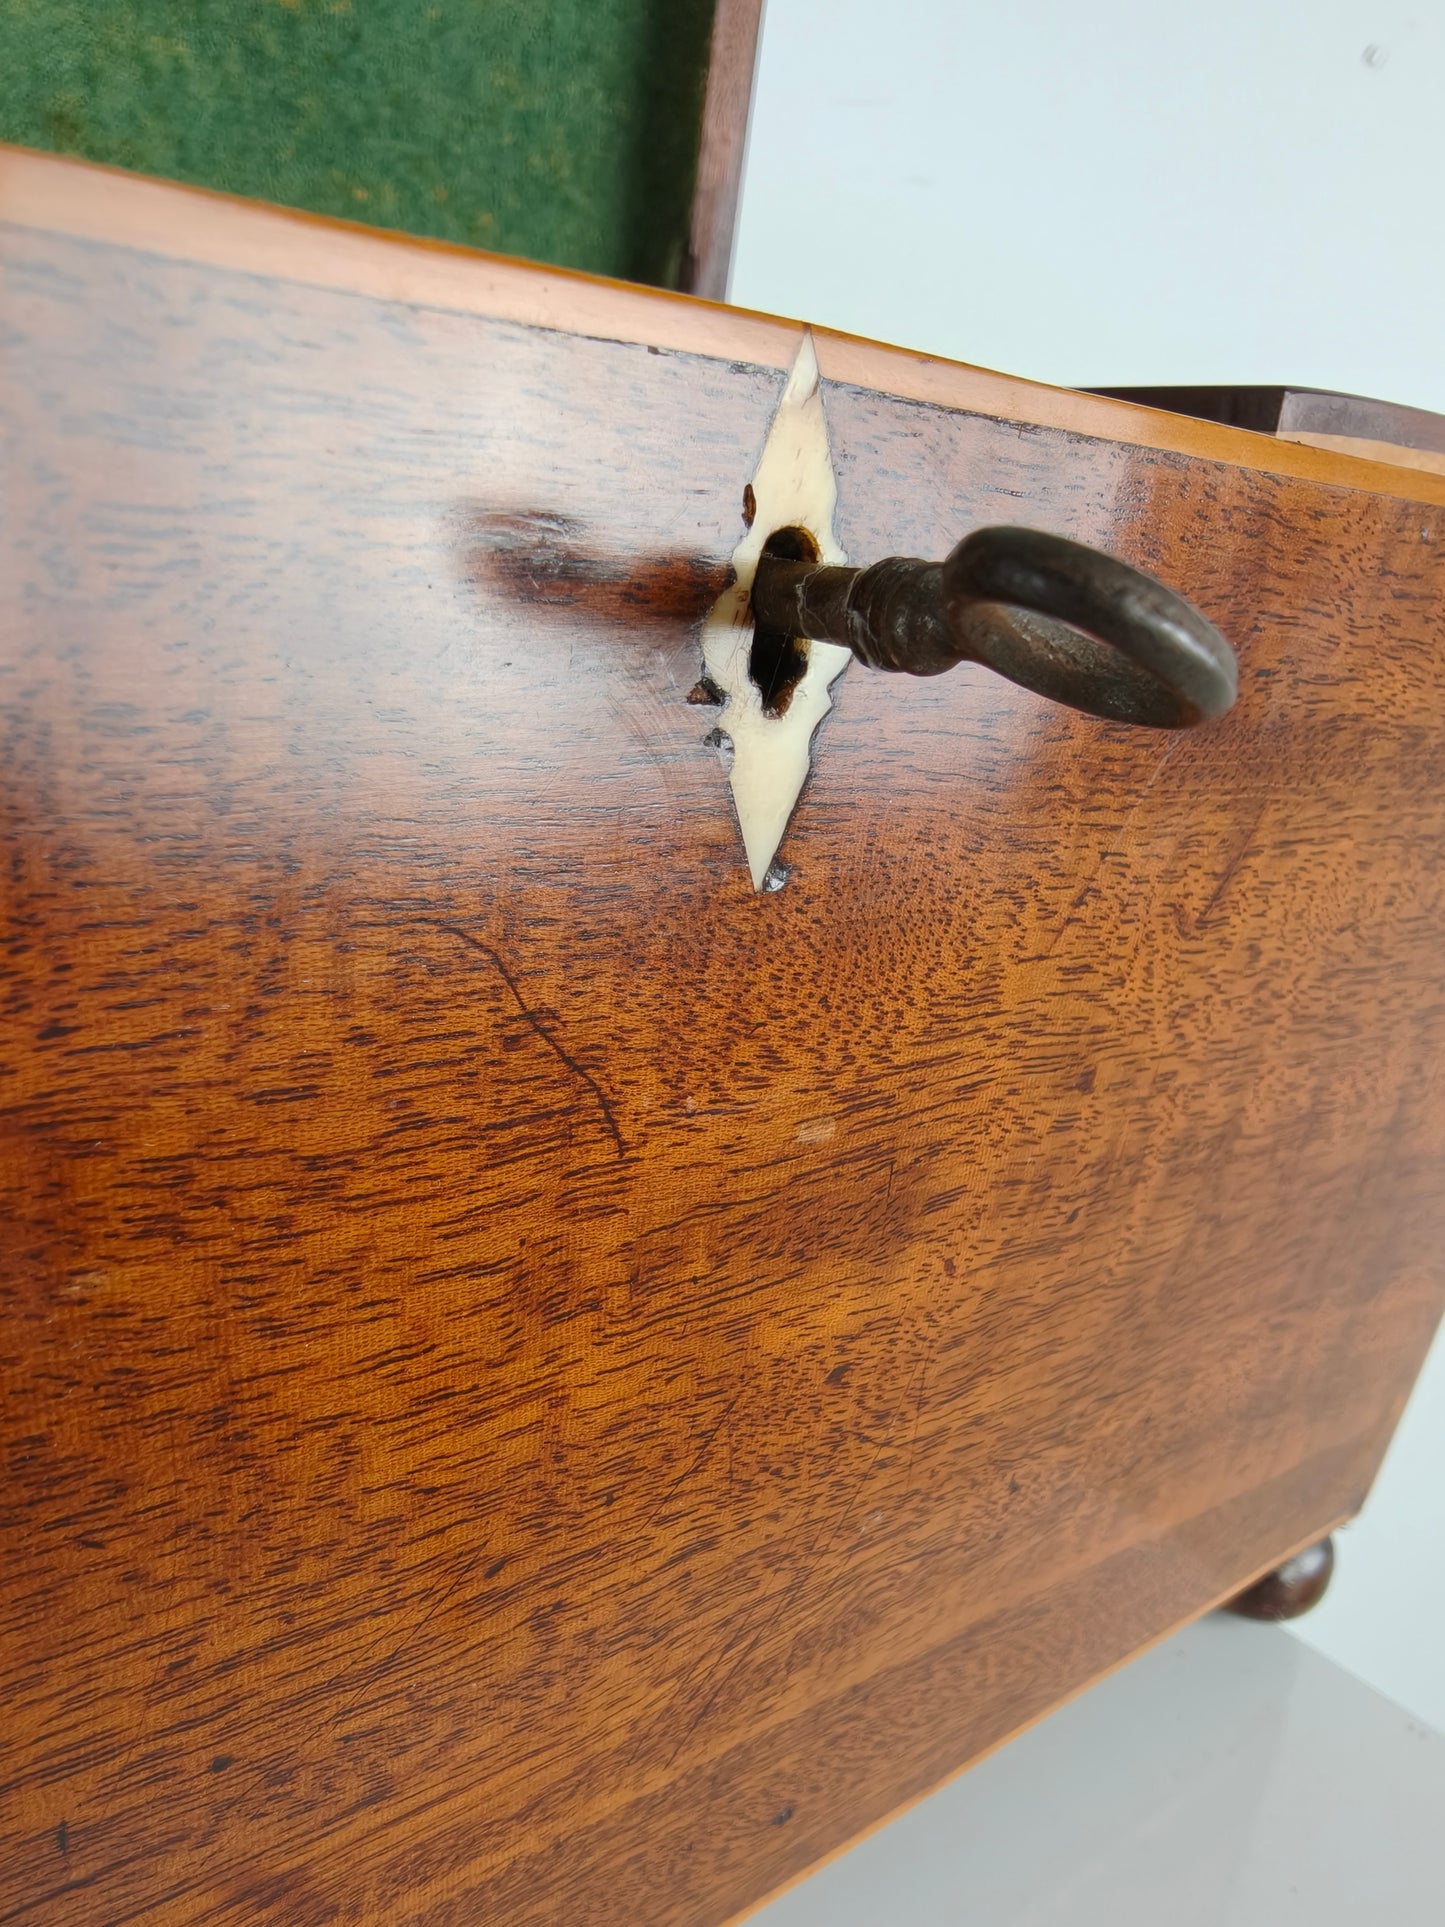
1291,1589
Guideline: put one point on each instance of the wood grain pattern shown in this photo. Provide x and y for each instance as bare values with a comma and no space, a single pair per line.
1292,411
193,225
1378,431
732,61
539,1383
1426,458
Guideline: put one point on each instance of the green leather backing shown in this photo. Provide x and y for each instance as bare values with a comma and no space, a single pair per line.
564,130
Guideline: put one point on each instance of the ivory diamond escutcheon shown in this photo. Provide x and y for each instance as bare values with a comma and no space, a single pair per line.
794,487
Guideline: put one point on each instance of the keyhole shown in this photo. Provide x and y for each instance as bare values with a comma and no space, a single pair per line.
778,663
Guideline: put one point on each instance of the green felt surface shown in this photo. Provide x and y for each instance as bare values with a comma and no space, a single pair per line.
565,130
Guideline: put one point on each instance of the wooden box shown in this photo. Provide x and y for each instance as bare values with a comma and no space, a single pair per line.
542,1382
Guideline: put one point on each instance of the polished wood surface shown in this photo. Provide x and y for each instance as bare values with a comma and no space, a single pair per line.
192,225
1379,431
1291,1590
732,61
539,1383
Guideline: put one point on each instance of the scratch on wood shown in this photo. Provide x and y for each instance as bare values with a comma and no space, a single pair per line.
771,1608
755,1624
409,1638
683,1477
922,1394
1233,864
534,1023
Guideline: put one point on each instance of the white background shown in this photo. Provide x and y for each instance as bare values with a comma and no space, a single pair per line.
1229,1778
1095,192
1110,192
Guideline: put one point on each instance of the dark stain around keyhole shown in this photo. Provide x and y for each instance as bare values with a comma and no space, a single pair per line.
778,663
